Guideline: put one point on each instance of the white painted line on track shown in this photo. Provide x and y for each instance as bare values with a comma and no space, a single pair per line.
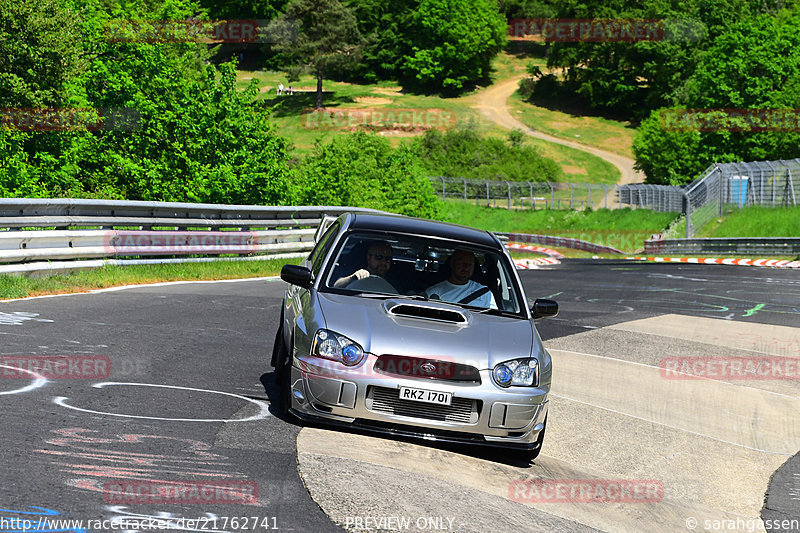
621,413
263,410
692,376
38,381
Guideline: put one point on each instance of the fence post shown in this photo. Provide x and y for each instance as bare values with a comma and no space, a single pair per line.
533,206
487,192
465,189
571,192
589,187
508,187
444,192
688,214
552,194
605,195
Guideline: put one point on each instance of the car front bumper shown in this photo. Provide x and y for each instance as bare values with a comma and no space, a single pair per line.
479,413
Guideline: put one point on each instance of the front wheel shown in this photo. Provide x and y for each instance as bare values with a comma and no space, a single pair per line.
283,372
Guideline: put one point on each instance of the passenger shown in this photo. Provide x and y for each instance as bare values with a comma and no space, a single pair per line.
379,260
458,287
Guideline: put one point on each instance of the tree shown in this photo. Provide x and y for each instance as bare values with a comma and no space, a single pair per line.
188,134
752,67
450,43
322,36
640,76
40,47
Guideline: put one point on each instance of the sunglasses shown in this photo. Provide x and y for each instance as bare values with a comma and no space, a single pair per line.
381,257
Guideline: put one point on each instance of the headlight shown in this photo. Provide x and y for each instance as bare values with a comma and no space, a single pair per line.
518,373
336,347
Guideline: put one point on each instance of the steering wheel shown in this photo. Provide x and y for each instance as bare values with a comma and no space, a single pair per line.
373,283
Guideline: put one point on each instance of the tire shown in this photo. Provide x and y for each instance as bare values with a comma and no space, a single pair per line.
283,372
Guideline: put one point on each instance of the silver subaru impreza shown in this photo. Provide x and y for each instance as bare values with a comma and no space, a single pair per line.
416,328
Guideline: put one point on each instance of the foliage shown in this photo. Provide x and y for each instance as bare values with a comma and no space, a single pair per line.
363,170
244,9
39,52
755,65
451,43
184,134
528,8
636,77
461,152
429,45
384,25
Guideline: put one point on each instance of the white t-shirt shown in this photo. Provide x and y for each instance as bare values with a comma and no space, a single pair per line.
450,292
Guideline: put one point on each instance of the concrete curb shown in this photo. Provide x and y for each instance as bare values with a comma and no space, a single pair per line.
538,249
774,263
533,264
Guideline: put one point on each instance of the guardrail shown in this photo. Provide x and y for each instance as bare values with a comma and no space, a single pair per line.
35,234
780,246
562,242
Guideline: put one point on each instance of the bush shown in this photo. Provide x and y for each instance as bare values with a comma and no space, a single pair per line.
363,170
461,152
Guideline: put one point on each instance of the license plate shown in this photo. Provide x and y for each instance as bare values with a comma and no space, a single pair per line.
426,396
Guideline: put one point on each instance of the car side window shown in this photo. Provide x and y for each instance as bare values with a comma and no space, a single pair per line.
321,249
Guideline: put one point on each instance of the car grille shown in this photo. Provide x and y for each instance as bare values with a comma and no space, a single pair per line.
387,401
415,367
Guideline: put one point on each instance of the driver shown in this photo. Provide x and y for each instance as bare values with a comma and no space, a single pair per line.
379,260
458,287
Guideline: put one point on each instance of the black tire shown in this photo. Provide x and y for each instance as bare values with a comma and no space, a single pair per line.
282,371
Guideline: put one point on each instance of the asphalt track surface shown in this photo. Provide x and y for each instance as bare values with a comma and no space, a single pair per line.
179,386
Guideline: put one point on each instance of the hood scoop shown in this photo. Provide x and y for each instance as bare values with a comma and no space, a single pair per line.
427,312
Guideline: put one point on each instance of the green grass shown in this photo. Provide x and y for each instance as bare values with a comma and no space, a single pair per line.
294,121
610,135
578,166
755,222
624,229
349,105
114,276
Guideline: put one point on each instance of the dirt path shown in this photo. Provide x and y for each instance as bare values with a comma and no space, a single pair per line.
492,104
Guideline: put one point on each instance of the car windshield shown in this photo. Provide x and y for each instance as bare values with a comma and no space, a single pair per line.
390,265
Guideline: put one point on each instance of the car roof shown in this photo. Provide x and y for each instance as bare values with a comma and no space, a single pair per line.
420,226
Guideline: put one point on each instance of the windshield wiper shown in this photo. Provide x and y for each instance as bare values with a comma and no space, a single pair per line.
375,295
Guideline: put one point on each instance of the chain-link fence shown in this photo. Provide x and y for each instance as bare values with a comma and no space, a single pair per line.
664,198
723,186
525,194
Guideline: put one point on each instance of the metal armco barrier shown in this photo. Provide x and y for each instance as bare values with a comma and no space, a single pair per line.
563,242
253,232
781,246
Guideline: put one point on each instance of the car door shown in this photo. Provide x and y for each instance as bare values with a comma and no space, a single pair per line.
300,303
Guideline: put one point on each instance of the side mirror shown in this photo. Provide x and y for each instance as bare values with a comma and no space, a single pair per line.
296,275
543,308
